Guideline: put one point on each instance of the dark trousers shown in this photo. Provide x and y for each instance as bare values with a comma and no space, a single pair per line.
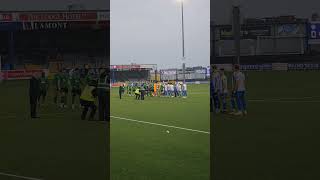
137,96
88,105
33,106
75,92
216,102
142,94
120,94
42,96
103,106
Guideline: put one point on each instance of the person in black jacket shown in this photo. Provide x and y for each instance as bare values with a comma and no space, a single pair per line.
104,94
143,92
121,90
34,92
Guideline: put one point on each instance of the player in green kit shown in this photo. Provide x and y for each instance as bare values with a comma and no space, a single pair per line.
44,85
57,85
151,90
128,88
121,90
64,89
75,87
161,90
88,78
131,89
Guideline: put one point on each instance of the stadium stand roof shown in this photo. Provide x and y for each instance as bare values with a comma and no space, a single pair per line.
55,15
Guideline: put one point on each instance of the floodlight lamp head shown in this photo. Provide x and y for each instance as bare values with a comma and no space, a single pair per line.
181,1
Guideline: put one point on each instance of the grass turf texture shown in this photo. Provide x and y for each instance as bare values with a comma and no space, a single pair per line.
143,151
58,146
278,140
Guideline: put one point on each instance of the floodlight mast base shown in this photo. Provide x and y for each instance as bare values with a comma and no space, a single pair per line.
236,26
183,43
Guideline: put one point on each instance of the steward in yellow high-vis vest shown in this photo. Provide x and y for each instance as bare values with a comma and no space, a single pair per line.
137,93
87,100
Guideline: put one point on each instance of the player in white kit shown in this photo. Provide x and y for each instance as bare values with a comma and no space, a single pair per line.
240,89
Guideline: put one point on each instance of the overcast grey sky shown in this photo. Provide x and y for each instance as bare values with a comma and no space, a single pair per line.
149,32
221,9
50,4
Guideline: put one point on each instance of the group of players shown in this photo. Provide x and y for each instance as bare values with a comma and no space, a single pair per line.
64,81
220,91
85,88
154,89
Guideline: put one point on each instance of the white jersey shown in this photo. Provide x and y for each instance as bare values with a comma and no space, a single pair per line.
179,87
166,87
240,78
184,87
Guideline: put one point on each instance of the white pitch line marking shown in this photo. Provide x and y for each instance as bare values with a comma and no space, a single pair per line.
163,125
21,177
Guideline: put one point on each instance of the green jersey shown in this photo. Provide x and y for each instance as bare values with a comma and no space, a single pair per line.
88,78
75,82
44,83
64,81
57,80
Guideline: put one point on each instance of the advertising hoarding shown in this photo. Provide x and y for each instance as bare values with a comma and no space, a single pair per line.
247,32
314,32
57,16
6,17
19,74
289,30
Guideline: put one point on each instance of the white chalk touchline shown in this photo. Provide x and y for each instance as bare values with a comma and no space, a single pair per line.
163,125
16,176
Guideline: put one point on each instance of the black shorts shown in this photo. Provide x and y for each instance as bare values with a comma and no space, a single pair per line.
43,92
76,91
64,90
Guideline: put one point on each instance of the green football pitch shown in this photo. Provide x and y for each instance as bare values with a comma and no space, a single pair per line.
57,146
279,139
167,138
161,138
